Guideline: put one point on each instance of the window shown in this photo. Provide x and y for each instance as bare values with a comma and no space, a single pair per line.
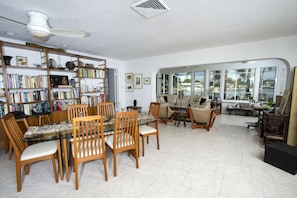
239,84
214,83
230,82
267,83
165,84
182,81
199,83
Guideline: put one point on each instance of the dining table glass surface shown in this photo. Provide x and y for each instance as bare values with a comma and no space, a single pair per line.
64,129
63,132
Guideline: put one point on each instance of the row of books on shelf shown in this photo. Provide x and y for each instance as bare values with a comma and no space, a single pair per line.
91,73
60,95
32,96
62,105
27,108
92,100
16,81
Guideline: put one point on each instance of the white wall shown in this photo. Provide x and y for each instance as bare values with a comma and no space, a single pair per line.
283,48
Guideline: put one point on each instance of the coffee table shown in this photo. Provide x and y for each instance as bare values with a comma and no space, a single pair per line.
180,114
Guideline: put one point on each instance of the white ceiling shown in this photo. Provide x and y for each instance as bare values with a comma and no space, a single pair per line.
119,32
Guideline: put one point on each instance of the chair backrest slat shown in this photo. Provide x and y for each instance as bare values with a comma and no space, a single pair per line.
105,109
88,133
125,131
14,134
77,110
154,110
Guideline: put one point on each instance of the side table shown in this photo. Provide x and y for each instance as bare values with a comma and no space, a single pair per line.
132,108
217,106
180,114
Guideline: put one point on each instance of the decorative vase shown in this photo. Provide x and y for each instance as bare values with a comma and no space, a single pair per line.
135,103
7,60
70,65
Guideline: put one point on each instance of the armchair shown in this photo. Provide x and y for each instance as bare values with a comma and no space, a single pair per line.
166,114
202,118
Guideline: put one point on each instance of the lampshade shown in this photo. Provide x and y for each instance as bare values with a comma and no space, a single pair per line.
215,90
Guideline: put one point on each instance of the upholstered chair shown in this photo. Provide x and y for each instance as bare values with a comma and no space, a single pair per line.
166,114
202,117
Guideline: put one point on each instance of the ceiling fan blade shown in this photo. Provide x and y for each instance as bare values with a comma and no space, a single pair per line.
69,33
2,18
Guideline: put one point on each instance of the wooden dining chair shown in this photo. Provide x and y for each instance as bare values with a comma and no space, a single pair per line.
151,128
73,111
20,118
125,136
88,142
105,109
77,110
24,154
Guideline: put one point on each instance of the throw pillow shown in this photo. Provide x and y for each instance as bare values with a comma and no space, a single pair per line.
202,100
162,99
165,98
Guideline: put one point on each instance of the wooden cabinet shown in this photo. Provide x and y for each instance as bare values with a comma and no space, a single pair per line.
45,79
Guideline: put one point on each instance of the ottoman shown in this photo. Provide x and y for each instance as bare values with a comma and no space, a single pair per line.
282,156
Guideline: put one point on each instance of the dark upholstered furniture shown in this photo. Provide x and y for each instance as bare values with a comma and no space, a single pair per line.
282,156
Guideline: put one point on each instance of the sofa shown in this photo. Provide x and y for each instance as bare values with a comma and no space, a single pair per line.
192,101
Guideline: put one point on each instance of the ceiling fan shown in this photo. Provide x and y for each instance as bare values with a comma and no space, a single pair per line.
38,26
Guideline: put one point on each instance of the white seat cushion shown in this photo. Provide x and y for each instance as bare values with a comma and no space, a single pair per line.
109,141
144,129
39,150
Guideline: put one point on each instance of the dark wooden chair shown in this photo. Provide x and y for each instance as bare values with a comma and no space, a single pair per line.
275,127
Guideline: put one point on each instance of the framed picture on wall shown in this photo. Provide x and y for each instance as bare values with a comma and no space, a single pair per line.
147,80
21,61
129,87
129,77
137,81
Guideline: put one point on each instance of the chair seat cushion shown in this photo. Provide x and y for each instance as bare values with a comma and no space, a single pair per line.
127,140
144,129
39,150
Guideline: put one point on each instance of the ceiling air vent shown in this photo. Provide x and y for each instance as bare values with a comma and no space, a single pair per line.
149,8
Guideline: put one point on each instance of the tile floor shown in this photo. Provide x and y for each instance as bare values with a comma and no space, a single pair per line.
225,162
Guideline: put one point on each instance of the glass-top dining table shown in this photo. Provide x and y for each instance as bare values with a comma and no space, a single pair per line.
63,131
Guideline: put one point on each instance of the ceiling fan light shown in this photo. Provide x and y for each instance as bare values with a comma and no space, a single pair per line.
38,24
39,31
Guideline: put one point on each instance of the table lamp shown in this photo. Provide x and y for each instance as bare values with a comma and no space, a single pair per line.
180,96
215,91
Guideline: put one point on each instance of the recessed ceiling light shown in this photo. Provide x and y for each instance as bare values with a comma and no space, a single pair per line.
64,45
11,33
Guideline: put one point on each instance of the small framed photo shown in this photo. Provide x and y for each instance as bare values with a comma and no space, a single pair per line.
147,80
129,77
21,61
129,87
138,81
